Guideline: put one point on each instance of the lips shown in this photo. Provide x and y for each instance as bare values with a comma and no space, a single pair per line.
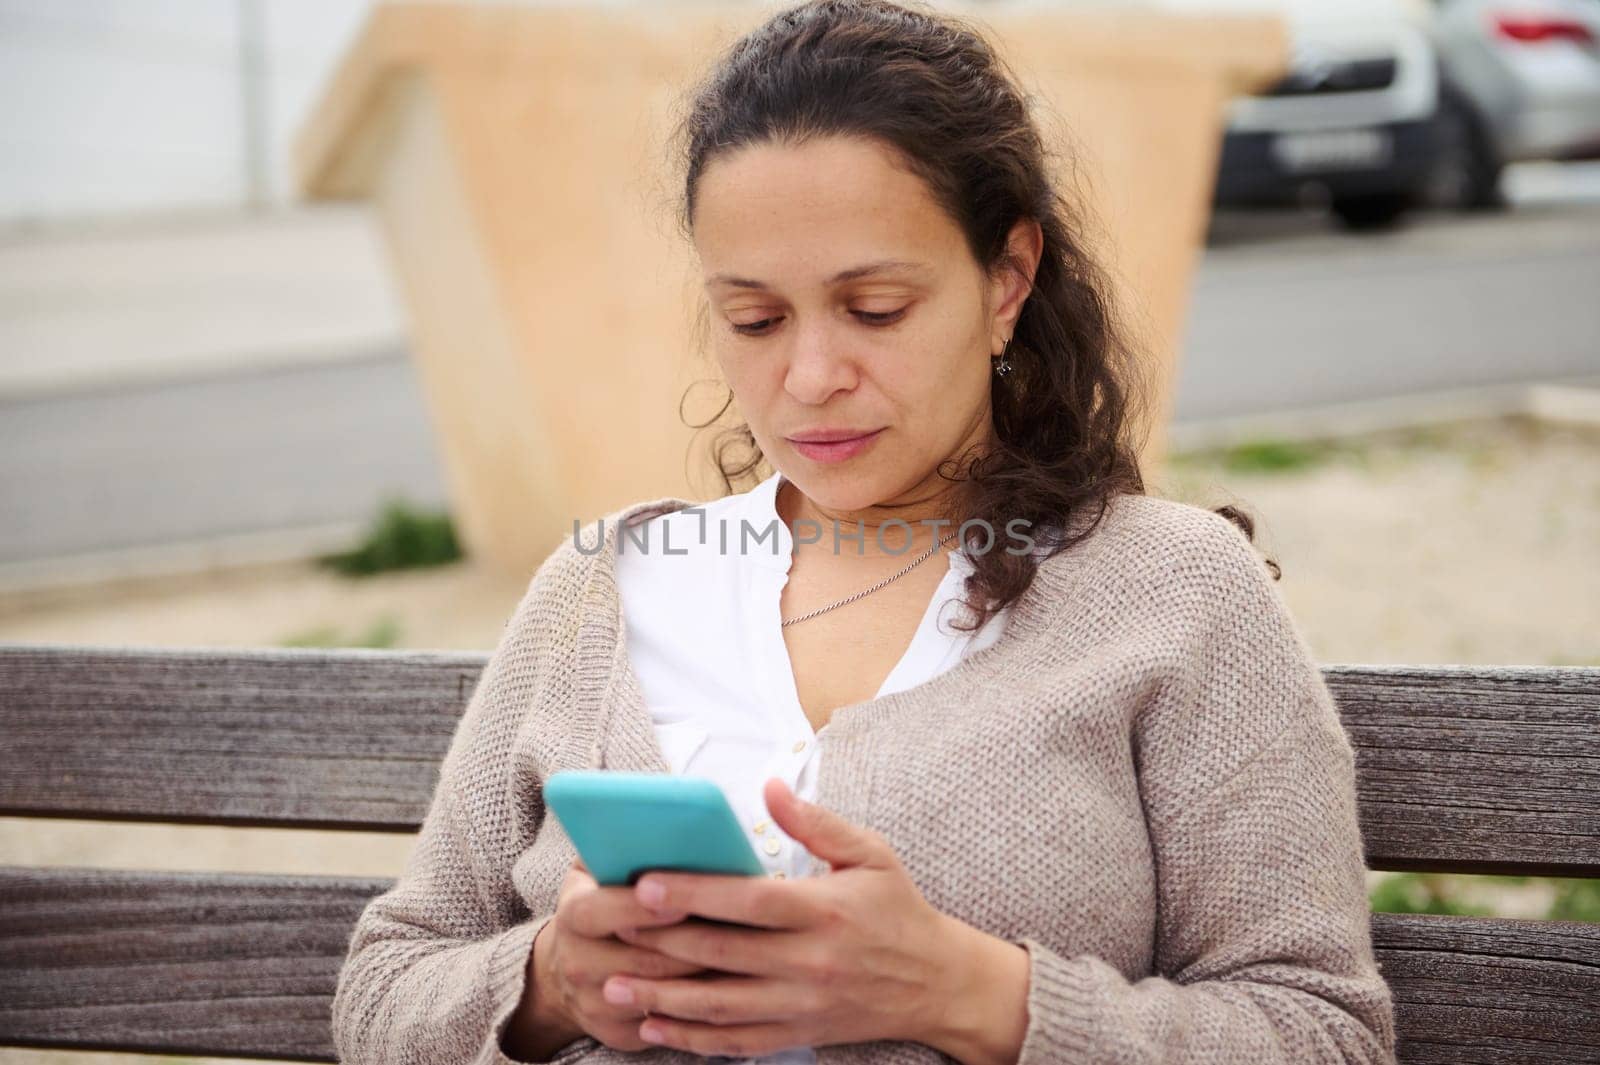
831,435
833,445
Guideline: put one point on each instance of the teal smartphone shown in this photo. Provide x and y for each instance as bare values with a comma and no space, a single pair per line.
625,824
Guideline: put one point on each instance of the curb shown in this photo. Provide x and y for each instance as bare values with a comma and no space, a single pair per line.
97,574
23,386
1572,401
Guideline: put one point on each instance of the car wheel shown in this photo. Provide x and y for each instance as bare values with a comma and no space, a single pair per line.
1376,210
1465,174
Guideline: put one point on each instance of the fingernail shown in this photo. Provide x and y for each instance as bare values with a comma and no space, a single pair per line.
651,1034
651,892
618,993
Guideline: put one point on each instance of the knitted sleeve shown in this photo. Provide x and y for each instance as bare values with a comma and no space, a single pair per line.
1263,946
437,964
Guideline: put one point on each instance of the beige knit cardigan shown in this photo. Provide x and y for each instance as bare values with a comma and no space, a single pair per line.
1144,782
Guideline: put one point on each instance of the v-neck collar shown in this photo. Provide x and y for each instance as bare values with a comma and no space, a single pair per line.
760,509
623,717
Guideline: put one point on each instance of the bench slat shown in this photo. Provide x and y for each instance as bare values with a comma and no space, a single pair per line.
1464,769
1491,991
174,963
291,738
223,964
1476,769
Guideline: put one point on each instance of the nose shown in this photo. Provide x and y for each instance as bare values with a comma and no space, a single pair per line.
819,366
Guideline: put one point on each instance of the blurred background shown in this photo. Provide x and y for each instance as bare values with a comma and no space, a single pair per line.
213,432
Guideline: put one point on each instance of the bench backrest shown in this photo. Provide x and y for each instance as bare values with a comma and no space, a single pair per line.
1461,769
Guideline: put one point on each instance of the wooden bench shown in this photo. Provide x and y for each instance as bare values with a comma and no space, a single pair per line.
1477,770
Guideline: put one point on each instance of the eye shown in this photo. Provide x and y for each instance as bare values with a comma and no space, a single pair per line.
752,328
874,318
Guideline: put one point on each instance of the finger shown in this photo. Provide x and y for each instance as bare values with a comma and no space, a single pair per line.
727,948
823,833
598,960
577,880
722,1001
602,911
612,956
757,901
710,1040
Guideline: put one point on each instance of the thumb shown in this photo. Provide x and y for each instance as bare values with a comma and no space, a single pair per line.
821,831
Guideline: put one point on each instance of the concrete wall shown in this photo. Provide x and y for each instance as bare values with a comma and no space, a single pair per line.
515,156
133,106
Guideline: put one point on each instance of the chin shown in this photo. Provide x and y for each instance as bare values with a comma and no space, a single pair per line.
843,487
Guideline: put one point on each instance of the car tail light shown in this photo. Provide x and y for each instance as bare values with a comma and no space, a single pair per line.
1533,29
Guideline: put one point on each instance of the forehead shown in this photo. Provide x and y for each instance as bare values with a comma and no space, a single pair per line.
799,213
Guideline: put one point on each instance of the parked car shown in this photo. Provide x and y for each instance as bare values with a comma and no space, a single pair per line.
1521,80
1351,122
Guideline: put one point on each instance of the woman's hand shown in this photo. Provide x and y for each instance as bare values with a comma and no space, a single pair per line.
578,948
852,956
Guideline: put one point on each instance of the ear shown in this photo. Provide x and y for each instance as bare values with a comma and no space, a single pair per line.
1010,290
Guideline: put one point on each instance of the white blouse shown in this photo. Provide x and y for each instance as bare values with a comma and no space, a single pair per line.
700,594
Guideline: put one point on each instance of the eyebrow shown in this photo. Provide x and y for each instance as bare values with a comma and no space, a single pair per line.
882,266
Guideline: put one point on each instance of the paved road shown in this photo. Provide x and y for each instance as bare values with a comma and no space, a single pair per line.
283,449
1286,313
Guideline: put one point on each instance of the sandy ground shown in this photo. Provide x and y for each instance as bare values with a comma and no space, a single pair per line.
1474,544
1423,547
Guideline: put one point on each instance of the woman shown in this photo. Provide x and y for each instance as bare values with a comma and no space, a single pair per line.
1106,815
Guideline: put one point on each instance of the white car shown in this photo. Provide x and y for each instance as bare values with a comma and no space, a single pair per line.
1521,81
1352,123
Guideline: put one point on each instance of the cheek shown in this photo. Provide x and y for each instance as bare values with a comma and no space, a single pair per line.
934,372
757,386
751,378
946,340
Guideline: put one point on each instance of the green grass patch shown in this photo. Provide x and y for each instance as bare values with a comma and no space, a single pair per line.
402,537
1421,893
1271,456
1576,900
1446,893
1379,448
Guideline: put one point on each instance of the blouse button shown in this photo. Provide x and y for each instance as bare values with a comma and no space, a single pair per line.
800,746
772,846
777,874
761,826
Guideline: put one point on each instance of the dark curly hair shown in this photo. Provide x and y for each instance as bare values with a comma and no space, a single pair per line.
929,87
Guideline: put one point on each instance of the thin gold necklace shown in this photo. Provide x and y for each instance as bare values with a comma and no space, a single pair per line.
868,591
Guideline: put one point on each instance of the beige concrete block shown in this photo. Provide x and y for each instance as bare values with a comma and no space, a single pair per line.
518,158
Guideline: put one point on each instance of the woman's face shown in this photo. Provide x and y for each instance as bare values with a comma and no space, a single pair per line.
844,299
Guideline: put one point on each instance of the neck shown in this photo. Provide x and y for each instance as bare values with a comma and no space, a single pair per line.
879,524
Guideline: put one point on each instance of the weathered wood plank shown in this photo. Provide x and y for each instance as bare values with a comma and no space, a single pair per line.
1460,768
175,963
1476,769
303,738
246,966
1491,991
